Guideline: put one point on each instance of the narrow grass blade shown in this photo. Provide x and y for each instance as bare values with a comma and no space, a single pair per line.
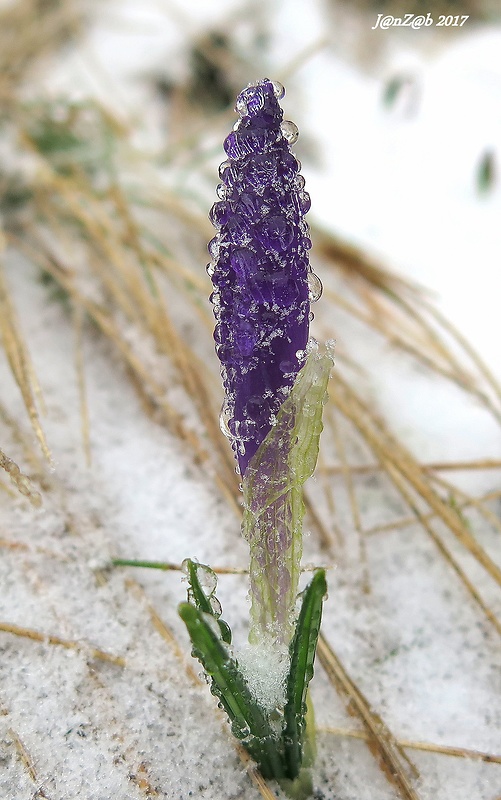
302,649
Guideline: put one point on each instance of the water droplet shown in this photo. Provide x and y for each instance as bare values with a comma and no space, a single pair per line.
240,731
219,213
289,131
311,316
224,419
300,181
210,269
223,169
241,105
315,287
214,247
312,345
237,124
216,606
286,366
330,346
304,202
206,578
221,191
278,89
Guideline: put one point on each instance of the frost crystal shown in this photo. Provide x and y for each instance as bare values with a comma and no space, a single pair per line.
260,268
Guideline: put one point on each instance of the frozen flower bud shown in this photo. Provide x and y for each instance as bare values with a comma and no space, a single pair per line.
259,268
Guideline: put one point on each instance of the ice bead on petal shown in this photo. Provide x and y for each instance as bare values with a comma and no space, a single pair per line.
260,267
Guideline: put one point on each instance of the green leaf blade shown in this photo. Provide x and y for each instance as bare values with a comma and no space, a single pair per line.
206,603
303,648
248,721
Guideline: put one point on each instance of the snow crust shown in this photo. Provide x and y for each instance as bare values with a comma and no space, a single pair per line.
419,649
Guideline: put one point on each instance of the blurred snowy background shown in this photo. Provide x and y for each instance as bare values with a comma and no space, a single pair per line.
112,121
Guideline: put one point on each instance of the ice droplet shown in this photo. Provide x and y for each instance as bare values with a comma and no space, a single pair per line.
304,202
289,131
207,579
210,269
315,287
223,168
241,106
214,246
185,568
330,346
224,419
221,191
278,89
215,605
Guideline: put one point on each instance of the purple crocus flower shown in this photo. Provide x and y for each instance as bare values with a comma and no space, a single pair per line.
259,268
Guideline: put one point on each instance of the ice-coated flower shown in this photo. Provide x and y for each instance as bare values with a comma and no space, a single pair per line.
259,268
275,394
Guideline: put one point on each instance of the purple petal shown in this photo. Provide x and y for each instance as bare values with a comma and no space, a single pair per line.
260,269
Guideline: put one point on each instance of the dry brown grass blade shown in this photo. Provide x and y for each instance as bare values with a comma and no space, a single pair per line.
431,466
427,747
346,471
24,755
400,484
388,450
391,756
36,636
352,496
162,628
468,501
325,537
404,522
254,774
22,483
146,383
31,29
396,329
132,287
354,260
468,349
80,371
400,310
19,362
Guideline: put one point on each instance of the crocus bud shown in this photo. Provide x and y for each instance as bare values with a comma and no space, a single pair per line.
260,268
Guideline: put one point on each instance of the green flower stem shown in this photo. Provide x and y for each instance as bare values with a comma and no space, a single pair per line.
273,501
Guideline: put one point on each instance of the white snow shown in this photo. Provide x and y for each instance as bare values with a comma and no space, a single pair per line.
399,182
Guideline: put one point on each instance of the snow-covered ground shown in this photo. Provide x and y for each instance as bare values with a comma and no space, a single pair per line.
398,181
